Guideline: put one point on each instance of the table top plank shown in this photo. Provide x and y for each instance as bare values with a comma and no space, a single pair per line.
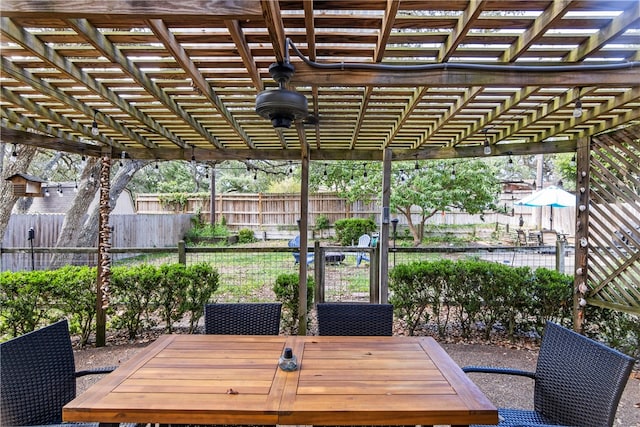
216,379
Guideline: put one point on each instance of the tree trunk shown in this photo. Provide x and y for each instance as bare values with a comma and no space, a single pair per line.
81,223
76,215
8,168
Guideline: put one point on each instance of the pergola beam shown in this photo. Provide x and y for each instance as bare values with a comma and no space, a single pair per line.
584,76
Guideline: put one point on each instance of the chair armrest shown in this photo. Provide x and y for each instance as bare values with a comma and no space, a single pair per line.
506,371
95,371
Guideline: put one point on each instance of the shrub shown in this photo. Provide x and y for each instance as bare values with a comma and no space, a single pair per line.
287,292
479,293
246,235
134,292
348,231
203,282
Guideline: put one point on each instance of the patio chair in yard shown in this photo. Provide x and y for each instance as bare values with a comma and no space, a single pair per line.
342,318
578,382
363,242
295,243
242,318
38,377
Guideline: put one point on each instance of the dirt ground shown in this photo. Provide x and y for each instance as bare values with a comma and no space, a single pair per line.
502,391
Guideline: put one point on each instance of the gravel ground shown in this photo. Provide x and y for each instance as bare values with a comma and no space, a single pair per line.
502,391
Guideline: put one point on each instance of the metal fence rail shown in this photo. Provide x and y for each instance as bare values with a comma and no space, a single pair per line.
253,271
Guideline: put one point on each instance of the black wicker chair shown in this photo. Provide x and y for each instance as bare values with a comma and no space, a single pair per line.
343,318
578,382
38,377
242,318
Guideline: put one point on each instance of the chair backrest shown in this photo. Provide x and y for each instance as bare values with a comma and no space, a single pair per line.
295,242
38,376
242,318
364,241
578,381
355,319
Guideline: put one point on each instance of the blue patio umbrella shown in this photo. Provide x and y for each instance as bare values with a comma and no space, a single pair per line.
552,196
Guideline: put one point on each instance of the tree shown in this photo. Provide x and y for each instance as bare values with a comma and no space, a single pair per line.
10,165
469,185
80,226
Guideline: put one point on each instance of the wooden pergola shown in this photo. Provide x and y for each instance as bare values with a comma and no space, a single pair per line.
384,80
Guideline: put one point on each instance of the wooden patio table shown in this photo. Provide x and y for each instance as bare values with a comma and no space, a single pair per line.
229,379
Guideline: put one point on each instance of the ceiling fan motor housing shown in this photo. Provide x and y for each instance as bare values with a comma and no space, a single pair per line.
281,106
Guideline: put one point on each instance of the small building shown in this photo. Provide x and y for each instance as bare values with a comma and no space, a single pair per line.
25,185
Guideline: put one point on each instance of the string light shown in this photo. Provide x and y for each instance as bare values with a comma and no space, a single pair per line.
255,175
416,166
510,163
206,173
572,163
123,156
75,186
60,193
156,167
364,170
193,155
487,147
577,111
290,168
325,170
402,177
46,192
94,126
92,178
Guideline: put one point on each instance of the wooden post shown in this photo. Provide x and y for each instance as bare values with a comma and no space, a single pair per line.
212,196
304,218
319,262
104,247
581,287
384,227
374,278
182,252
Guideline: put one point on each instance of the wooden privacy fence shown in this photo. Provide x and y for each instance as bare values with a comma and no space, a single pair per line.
129,231
270,212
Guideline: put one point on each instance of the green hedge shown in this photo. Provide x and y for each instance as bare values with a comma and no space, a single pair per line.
287,292
475,292
348,231
141,296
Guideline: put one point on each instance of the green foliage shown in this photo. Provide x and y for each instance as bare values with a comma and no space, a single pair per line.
202,230
203,281
349,230
172,293
426,185
133,291
246,235
25,301
322,222
287,292
618,329
478,292
175,201
75,290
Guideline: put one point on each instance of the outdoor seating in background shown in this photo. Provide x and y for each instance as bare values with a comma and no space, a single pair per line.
363,242
526,239
344,319
578,382
242,318
38,377
295,243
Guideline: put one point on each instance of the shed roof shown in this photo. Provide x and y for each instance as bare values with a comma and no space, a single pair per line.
174,79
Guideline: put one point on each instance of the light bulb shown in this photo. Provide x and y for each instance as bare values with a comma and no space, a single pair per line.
14,154
487,148
46,192
94,129
577,111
